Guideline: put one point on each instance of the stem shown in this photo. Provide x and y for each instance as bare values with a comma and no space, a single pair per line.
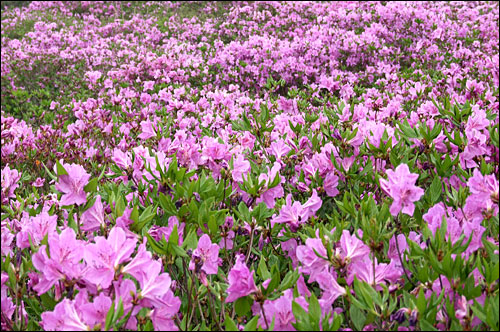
222,312
250,246
131,310
401,261
212,308
224,196
178,322
189,300
7,321
201,313
373,264
264,315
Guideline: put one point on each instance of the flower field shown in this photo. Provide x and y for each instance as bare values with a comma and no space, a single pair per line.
232,166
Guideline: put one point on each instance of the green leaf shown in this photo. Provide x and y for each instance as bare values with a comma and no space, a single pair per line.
435,190
426,326
52,176
243,305
48,302
60,169
421,301
155,245
252,324
290,279
230,325
314,311
191,241
134,215
109,316
91,186
301,317
262,270
357,317
120,206
120,311
174,236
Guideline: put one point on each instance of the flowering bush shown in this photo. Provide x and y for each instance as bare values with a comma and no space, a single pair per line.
250,166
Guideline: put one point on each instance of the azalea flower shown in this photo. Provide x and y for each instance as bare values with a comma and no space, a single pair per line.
297,214
72,184
64,318
205,256
104,256
241,281
401,187
240,167
93,218
10,179
66,253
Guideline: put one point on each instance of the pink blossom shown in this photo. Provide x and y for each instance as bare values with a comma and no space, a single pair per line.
205,256
297,214
269,196
330,184
240,167
72,185
95,313
66,253
64,318
105,255
147,130
241,281
312,264
39,182
401,187
93,218
10,179
352,247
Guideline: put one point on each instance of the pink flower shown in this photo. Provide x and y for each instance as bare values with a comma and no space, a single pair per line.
163,317
434,217
105,255
138,265
93,218
66,252
153,284
330,184
269,196
240,167
148,85
205,256
147,130
363,270
297,214
7,238
93,76
352,247
331,289
281,311
36,228
241,281
63,318
401,187
38,182
95,313
311,263
121,159
72,184
159,232
10,179
278,148
484,189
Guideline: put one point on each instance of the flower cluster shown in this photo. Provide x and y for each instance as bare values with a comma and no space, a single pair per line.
249,165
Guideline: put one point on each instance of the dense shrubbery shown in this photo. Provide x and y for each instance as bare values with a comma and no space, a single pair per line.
272,166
